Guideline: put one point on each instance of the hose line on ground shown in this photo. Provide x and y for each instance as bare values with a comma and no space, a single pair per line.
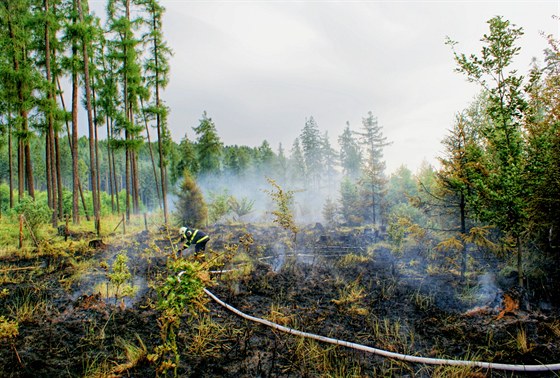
385,353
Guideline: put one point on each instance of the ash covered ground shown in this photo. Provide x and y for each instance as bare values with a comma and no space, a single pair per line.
344,284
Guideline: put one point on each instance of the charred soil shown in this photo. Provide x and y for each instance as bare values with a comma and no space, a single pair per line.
339,286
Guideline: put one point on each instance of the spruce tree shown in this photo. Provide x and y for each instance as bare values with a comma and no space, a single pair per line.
208,146
373,181
350,154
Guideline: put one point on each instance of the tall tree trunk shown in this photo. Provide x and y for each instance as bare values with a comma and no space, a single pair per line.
159,125
21,176
74,145
50,150
115,183
48,171
59,177
70,144
135,182
113,168
127,182
10,162
28,162
92,157
110,166
151,152
462,208
96,151
519,261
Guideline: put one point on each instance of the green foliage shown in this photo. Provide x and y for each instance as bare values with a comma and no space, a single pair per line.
191,207
397,231
330,213
543,150
179,292
209,146
283,214
36,212
241,207
184,158
504,188
350,204
120,276
218,206
373,181
9,329
4,198
350,154
312,153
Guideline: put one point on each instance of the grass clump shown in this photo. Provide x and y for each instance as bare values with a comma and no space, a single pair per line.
9,329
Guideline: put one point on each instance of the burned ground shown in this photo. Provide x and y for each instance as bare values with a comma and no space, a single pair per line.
331,283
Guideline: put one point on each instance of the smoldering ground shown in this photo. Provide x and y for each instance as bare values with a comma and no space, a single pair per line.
366,294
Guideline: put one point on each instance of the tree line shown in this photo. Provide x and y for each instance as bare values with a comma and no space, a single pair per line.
496,185
115,72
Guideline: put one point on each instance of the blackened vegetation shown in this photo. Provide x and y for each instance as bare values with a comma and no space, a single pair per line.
344,284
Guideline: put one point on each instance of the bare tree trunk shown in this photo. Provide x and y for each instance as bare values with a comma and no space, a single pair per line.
135,182
70,144
27,149
127,183
159,126
519,261
48,171
96,153
59,177
21,176
110,166
151,152
74,145
462,208
10,162
50,155
92,157
113,167
115,183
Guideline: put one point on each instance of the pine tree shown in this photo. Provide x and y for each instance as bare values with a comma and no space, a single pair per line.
373,181
184,159
330,161
312,153
296,165
191,207
209,146
16,36
85,39
157,73
123,49
350,154
280,168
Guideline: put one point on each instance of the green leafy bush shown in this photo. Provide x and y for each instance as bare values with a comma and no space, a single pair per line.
36,212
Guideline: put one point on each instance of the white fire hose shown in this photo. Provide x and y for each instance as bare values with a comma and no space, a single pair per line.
385,353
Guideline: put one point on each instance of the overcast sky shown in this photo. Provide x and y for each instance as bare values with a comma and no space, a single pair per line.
260,68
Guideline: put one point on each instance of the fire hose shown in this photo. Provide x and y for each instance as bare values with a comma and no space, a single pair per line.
382,352
385,353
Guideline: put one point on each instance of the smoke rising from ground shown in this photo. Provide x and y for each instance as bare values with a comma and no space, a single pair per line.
307,206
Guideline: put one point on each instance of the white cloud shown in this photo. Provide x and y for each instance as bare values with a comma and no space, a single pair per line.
260,68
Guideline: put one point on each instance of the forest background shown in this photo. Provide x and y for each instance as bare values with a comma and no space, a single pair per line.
496,186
